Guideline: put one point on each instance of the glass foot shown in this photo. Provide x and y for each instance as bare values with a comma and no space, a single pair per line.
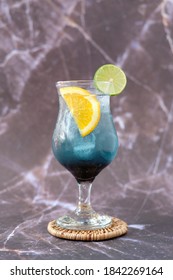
84,222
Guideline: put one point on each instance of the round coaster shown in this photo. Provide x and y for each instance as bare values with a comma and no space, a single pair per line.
117,228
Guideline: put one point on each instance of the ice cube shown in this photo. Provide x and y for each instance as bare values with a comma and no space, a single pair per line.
104,103
84,147
108,144
72,131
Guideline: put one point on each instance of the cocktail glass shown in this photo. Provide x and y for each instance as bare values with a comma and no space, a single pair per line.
85,156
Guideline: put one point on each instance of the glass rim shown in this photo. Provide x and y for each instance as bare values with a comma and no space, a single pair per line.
60,83
82,83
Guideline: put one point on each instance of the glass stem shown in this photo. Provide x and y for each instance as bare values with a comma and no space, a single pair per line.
84,204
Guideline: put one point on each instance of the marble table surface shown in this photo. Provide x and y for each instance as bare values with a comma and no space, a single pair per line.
42,42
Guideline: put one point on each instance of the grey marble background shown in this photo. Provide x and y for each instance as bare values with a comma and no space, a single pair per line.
49,40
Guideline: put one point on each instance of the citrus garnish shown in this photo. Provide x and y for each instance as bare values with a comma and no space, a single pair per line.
84,107
114,75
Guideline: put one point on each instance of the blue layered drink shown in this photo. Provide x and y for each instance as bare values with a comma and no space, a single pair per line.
85,156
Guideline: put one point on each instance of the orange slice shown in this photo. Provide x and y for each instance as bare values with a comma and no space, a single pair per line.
84,107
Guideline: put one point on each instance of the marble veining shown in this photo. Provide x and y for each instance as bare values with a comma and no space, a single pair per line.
45,41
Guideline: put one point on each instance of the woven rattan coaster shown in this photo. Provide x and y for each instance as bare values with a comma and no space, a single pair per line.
117,228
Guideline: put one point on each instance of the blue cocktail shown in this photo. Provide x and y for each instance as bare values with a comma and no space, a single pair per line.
84,155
